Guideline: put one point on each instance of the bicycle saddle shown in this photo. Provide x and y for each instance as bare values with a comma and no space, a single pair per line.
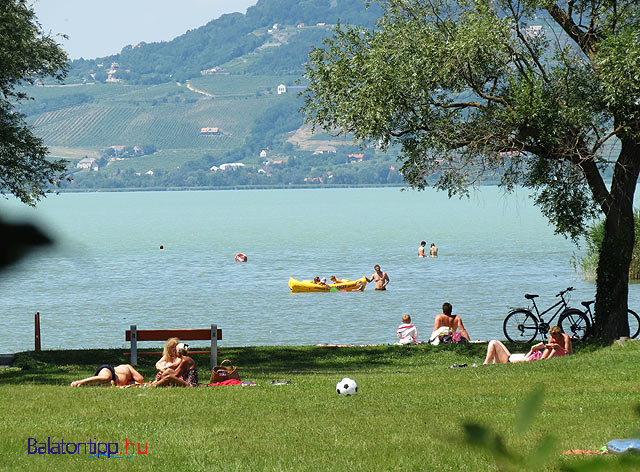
586,304
528,296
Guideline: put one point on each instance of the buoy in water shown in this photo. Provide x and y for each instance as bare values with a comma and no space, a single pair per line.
241,257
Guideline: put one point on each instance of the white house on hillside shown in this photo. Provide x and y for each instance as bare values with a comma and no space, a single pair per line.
85,163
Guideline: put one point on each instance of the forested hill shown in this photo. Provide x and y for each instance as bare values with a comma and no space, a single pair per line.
226,38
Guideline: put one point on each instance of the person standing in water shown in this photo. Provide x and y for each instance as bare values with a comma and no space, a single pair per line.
381,278
421,249
433,250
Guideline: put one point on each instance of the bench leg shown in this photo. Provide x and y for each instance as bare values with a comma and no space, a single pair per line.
134,345
214,345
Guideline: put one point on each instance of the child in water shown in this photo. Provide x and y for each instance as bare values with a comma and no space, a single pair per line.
407,332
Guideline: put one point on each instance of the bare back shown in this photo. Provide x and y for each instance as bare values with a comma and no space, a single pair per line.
453,322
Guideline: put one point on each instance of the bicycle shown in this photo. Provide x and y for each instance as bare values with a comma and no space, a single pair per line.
578,326
522,326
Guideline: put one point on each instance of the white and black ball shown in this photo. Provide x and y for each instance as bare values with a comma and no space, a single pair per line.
347,386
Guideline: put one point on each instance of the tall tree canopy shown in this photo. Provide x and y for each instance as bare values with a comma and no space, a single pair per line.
27,54
473,87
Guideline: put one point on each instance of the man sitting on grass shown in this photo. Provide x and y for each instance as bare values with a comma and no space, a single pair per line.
124,374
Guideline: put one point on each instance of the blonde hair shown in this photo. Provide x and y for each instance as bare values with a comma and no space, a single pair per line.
169,345
555,330
406,318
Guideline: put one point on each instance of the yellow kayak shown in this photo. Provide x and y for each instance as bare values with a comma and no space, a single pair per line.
344,286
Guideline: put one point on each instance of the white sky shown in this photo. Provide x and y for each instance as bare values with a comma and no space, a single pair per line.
98,28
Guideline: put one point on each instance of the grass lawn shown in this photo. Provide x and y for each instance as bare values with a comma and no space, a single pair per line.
408,415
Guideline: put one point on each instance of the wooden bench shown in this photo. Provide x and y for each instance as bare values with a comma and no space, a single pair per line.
134,335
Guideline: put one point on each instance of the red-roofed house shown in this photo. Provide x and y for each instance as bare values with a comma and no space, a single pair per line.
209,131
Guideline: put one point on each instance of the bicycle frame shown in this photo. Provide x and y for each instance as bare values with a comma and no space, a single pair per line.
559,310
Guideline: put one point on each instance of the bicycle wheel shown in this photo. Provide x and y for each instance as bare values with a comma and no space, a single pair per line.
520,326
574,323
634,324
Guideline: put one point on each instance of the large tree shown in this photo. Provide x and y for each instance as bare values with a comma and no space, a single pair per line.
467,88
27,54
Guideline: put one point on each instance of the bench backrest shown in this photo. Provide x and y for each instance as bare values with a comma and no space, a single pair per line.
164,334
212,334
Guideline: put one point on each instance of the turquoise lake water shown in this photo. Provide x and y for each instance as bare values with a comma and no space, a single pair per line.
107,271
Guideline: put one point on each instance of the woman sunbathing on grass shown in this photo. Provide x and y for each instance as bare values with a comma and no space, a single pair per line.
559,345
169,359
185,375
123,374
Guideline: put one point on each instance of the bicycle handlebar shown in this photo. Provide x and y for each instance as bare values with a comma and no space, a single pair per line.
562,292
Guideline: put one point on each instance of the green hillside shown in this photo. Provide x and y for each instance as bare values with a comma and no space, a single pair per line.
154,97
229,38
169,115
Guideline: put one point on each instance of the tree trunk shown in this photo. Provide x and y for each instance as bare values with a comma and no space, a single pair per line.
612,285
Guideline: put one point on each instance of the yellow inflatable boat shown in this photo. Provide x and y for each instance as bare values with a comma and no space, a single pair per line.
344,286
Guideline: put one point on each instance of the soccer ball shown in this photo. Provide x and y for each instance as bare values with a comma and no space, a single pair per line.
347,386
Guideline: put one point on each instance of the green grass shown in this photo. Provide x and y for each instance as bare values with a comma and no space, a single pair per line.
408,415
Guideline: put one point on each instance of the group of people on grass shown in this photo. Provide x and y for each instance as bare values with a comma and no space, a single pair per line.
448,327
446,324
175,368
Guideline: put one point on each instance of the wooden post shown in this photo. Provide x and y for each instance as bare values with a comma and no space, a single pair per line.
214,345
134,346
37,322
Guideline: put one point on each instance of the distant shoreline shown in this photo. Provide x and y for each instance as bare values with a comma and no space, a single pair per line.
226,187
239,187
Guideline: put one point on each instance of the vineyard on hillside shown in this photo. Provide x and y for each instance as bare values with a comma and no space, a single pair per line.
165,125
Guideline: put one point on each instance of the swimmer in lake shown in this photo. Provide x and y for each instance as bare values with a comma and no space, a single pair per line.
421,249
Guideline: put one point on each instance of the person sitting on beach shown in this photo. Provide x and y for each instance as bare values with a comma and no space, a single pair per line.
559,345
185,375
421,249
123,374
170,358
407,332
448,320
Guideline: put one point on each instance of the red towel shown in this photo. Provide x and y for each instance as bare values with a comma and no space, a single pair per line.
226,382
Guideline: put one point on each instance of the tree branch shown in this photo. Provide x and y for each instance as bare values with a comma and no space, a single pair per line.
585,41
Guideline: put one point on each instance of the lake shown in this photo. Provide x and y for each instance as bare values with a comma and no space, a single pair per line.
106,271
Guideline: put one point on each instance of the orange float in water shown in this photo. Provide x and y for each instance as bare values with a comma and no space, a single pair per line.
241,257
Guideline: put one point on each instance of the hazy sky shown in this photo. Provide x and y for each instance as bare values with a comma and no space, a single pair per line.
99,28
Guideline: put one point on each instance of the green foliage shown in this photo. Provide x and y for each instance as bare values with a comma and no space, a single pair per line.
225,39
276,121
467,88
594,238
26,55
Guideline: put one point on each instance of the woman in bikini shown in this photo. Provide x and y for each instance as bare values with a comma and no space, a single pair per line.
559,345
185,375
169,359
